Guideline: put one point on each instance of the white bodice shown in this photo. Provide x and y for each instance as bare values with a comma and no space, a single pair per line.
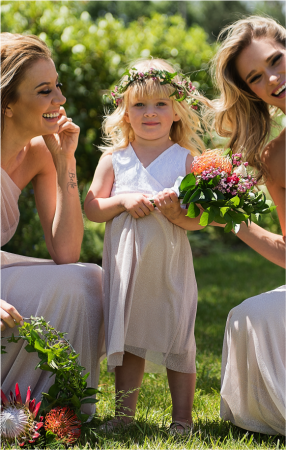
10,214
131,176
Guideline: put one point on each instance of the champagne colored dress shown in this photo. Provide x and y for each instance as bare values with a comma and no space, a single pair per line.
253,389
69,296
150,290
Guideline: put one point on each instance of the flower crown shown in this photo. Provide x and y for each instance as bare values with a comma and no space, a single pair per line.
183,88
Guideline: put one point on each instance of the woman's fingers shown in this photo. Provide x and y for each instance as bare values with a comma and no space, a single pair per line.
9,315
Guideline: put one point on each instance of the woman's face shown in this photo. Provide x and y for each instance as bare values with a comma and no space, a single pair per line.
262,66
36,111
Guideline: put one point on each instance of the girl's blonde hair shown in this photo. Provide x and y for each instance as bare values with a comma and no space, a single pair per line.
239,113
185,132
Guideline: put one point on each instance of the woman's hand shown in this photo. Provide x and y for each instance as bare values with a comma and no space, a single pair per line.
65,141
168,203
137,205
9,315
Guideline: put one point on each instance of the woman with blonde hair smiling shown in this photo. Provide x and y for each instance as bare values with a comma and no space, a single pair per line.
249,71
38,143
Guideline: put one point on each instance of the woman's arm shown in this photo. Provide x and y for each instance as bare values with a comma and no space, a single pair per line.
100,207
56,192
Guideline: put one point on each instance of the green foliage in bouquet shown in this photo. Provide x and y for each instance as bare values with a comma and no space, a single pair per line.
58,357
225,192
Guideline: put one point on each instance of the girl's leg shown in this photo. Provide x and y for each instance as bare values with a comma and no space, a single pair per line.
182,387
128,377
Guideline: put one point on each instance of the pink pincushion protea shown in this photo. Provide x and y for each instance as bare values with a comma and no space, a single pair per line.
18,418
64,424
211,159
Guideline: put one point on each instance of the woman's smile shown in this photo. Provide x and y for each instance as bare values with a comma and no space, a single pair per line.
262,66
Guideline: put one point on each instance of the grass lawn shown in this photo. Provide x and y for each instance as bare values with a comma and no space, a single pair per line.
224,280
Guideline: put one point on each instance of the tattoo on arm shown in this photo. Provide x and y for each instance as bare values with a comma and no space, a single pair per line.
72,182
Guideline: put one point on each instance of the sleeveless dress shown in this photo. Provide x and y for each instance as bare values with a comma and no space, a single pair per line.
253,388
150,291
69,296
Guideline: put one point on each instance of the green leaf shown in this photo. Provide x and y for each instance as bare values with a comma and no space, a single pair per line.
204,220
54,390
196,195
193,211
219,195
228,227
227,152
30,348
187,182
75,401
188,196
219,219
235,201
88,400
90,391
224,210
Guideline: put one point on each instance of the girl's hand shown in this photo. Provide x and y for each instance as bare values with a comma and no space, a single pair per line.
168,203
137,205
9,315
65,141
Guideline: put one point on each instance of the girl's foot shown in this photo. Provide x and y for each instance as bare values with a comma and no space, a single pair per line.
115,424
182,428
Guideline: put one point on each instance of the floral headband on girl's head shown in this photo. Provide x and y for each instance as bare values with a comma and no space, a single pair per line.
183,89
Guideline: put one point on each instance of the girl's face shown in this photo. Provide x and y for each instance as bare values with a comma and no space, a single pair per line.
262,66
151,118
36,111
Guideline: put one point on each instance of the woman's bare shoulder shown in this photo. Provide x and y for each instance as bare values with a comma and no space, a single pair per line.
273,156
39,156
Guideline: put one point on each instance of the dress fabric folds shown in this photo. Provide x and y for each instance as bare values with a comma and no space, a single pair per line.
69,296
150,291
253,389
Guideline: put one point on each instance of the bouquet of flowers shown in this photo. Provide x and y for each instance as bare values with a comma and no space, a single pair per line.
221,185
57,418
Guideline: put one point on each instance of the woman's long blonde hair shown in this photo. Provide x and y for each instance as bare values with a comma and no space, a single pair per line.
186,132
239,113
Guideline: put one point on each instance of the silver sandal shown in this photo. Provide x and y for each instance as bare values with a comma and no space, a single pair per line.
185,428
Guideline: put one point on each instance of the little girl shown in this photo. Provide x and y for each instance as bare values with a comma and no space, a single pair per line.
150,288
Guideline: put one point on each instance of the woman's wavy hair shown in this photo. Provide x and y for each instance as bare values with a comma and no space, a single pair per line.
18,53
185,132
239,114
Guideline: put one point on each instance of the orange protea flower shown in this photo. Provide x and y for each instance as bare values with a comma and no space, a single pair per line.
64,424
212,159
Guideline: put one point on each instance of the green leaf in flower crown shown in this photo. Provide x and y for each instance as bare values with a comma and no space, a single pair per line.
193,211
187,182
